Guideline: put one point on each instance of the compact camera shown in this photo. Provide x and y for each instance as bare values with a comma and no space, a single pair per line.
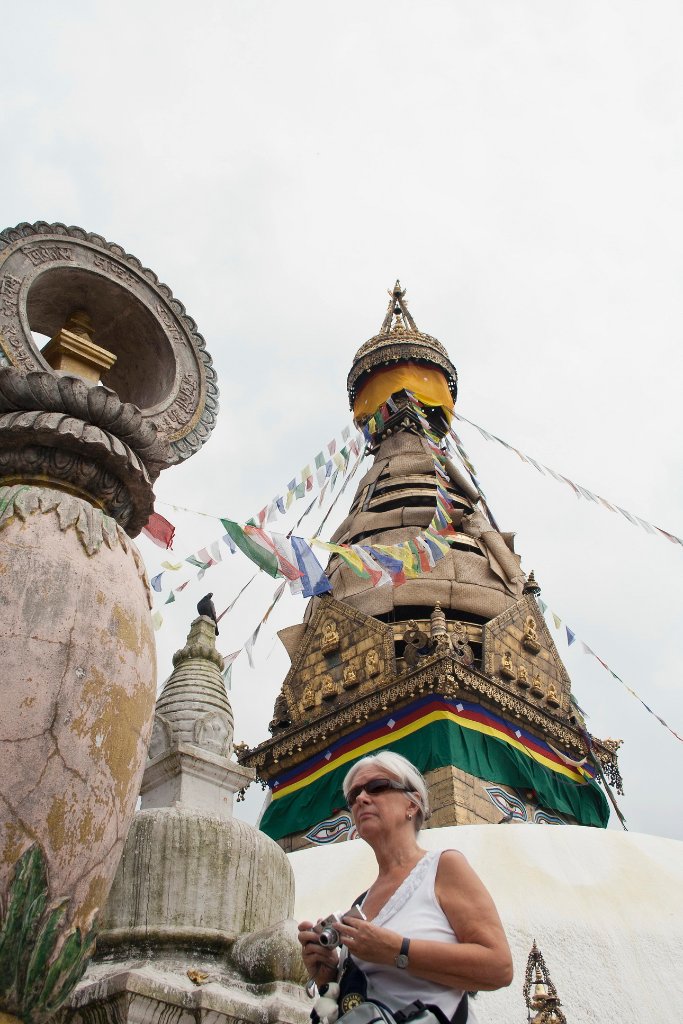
327,931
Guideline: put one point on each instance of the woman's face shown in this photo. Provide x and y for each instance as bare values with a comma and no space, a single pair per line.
380,813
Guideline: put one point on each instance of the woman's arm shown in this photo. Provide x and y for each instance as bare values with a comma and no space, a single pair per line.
481,958
321,961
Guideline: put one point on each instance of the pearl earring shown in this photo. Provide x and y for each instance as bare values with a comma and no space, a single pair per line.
409,817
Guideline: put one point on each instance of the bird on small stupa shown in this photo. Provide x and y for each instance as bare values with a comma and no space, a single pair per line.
205,606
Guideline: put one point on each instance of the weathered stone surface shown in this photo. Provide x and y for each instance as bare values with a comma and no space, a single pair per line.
49,270
78,682
274,953
186,875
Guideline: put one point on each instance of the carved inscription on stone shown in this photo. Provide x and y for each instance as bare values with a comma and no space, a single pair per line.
39,254
114,269
185,404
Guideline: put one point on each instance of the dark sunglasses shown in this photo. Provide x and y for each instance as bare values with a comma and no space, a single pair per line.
373,787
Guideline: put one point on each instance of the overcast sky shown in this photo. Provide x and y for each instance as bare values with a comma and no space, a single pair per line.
517,165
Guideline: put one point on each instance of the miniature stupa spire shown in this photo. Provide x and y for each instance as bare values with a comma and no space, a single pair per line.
200,897
450,662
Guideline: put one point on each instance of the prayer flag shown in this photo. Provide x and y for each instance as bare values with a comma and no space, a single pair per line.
170,599
171,566
332,446
282,549
159,530
253,548
393,565
378,574
155,582
351,558
427,559
571,636
227,539
276,597
249,645
157,620
313,576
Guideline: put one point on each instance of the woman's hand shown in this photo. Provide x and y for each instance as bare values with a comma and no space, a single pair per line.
321,961
369,941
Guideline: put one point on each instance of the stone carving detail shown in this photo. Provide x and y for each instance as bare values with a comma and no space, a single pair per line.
372,663
36,462
162,737
281,716
537,687
350,678
43,391
462,650
506,666
327,689
308,697
214,733
530,640
45,258
330,637
551,697
92,526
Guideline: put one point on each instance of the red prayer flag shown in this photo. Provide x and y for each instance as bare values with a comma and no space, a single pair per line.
159,530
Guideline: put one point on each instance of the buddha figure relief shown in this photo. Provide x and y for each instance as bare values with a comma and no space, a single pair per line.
551,697
328,689
330,637
506,666
371,663
350,678
308,697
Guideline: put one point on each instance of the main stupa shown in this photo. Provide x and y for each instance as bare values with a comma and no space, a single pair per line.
438,651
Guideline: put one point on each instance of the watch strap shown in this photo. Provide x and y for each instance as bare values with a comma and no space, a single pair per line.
402,958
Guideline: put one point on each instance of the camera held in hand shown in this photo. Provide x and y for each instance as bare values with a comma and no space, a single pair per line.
327,930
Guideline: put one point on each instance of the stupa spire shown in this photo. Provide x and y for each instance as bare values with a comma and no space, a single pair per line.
449,661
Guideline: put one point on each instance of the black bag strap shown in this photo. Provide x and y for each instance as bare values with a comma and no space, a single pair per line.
462,1012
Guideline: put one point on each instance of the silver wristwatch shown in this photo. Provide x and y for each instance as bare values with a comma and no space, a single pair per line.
402,958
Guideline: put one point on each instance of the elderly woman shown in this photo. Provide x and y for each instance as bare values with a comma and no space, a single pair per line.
431,931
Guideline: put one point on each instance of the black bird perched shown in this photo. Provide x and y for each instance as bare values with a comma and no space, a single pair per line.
206,607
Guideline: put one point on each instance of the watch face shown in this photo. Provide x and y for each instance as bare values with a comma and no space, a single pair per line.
401,960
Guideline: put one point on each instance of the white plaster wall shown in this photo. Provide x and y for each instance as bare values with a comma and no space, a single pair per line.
606,909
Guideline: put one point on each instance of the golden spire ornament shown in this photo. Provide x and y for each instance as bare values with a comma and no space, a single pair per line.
540,994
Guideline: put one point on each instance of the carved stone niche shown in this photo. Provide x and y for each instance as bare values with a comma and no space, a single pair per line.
123,389
517,647
341,652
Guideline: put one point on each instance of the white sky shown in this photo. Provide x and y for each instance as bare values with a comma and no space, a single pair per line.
518,165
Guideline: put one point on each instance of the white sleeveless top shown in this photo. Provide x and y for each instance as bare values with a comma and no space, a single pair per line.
414,912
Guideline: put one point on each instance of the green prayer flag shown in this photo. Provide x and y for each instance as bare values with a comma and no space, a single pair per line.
258,554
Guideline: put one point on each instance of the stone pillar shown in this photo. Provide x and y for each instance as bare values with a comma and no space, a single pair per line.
123,389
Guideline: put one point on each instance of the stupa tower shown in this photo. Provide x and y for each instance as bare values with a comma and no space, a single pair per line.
447,660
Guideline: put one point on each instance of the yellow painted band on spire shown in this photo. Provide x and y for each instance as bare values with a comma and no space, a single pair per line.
426,382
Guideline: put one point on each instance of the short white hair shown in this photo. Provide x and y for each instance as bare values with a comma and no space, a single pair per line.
400,768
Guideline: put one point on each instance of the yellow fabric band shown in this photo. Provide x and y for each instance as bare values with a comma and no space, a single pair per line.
426,383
